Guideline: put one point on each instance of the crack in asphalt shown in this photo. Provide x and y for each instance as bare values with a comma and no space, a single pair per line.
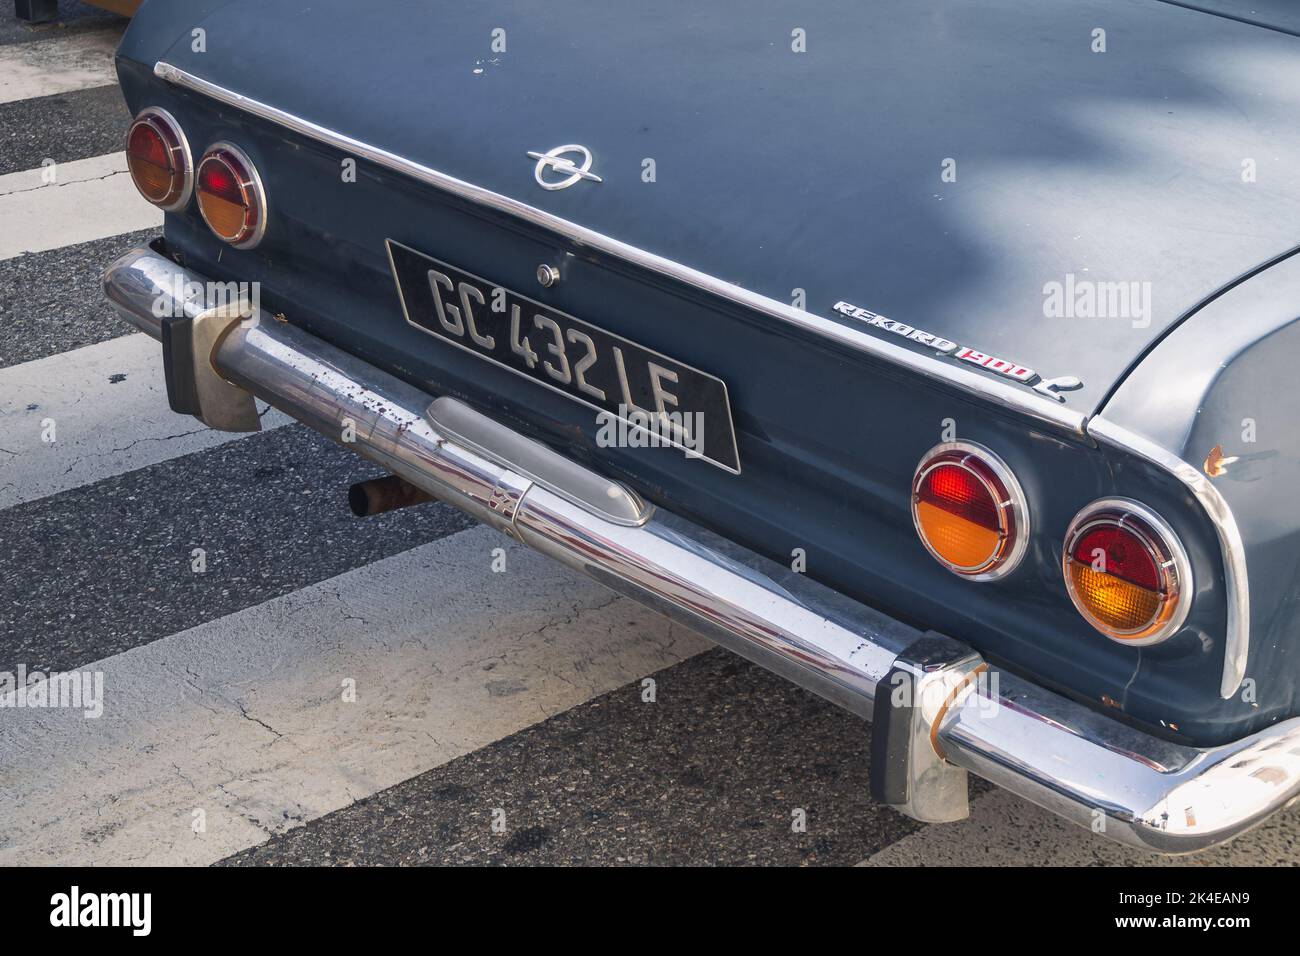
261,723
70,182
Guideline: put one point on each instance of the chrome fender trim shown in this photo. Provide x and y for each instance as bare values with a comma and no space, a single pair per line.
1236,649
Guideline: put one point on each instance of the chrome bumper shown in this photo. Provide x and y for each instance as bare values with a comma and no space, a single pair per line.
940,711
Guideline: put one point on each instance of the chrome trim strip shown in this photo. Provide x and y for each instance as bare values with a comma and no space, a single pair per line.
1237,635
1071,759
1006,395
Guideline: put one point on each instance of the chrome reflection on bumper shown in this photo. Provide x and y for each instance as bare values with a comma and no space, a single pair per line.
1081,764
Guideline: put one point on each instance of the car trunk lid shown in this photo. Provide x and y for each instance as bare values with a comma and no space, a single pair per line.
1005,177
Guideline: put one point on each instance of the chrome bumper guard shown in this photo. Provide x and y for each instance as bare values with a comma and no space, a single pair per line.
940,710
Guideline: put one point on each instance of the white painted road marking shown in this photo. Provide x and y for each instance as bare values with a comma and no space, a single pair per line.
242,718
60,64
89,199
108,403
1004,830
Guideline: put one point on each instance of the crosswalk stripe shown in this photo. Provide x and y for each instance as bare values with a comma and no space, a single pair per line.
99,570
1004,830
241,723
87,199
57,65
106,408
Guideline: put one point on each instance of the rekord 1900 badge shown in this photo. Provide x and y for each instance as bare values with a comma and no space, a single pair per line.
1051,387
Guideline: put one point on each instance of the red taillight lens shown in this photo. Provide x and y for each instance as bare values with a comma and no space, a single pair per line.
230,196
159,159
1127,572
969,510
1120,552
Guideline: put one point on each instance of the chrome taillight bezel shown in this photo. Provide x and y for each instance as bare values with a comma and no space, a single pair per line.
250,186
167,127
1012,508
1166,551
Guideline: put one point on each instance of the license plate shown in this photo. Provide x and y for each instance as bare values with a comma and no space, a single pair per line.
658,400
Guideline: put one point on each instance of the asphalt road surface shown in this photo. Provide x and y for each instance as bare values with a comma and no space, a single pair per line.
321,689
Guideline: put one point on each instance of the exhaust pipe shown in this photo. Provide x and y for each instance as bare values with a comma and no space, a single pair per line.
378,495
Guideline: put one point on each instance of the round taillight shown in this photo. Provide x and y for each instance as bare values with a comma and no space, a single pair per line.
1127,572
158,158
230,196
969,511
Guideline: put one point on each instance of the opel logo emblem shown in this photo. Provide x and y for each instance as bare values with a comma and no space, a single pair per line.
571,168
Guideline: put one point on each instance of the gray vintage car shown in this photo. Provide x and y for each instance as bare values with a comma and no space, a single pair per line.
939,357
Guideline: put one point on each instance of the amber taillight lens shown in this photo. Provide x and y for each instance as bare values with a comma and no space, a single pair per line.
230,196
159,159
1127,572
969,510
